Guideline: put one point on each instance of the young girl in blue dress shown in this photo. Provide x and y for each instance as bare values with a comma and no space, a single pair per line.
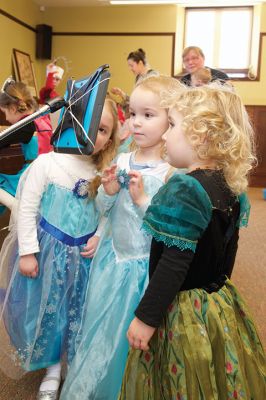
43,273
119,269
196,336
17,102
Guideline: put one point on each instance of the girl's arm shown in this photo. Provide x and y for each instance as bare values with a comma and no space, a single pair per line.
7,199
109,180
28,266
32,191
164,285
137,193
92,244
104,202
107,192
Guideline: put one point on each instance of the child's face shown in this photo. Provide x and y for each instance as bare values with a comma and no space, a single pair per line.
104,131
180,153
148,121
56,81
196,82
11,114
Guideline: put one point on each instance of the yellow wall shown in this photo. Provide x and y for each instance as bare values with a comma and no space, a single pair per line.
87,52
18,37
112,19
25,10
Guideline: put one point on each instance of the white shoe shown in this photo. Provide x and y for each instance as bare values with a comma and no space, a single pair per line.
49,394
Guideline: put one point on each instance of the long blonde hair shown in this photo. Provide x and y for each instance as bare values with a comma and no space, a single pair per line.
104,157
217,125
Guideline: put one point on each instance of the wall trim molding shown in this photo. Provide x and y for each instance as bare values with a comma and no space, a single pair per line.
262,34
18,21
172,34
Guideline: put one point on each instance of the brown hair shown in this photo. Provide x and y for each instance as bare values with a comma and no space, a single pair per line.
17,94
104,157
196,49
203,74
137,56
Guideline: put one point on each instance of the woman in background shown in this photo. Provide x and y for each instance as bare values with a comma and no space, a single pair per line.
194,59
138,64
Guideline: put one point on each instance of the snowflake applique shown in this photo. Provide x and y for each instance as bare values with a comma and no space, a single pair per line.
29,348
123,178
50,309
38,352
74,326
81,188
72,312
56,297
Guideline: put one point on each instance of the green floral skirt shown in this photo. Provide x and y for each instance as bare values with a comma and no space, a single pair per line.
206,349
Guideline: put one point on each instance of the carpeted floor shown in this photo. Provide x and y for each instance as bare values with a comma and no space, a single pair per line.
249,275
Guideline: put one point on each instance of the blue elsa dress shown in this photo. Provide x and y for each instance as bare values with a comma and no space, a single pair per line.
40,317
118,278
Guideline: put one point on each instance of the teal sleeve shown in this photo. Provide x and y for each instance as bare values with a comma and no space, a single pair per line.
179,213
244,210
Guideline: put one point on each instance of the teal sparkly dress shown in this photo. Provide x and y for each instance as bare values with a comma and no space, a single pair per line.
40,317
118,278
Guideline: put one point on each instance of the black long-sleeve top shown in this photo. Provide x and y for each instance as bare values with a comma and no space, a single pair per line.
173,270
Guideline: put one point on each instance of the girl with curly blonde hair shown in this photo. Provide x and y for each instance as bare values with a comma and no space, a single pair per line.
196,336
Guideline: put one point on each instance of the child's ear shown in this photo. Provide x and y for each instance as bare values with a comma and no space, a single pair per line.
12,108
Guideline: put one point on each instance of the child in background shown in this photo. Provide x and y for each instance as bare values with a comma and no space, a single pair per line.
54,75
16,102
201,77
45,274
120,266
196,337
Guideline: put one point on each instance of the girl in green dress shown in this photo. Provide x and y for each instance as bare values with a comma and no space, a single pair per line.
192,336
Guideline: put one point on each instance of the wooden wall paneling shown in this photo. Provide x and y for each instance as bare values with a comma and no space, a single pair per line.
258,118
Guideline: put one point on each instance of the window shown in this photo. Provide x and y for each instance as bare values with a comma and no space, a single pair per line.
224,35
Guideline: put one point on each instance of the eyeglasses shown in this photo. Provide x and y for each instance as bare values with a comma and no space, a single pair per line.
192,58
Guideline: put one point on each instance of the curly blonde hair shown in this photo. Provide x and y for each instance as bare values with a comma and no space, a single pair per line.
217,126
103,158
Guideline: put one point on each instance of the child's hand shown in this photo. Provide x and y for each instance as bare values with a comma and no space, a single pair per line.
139,334
91,247
28,266
109,181
136,188
118,92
